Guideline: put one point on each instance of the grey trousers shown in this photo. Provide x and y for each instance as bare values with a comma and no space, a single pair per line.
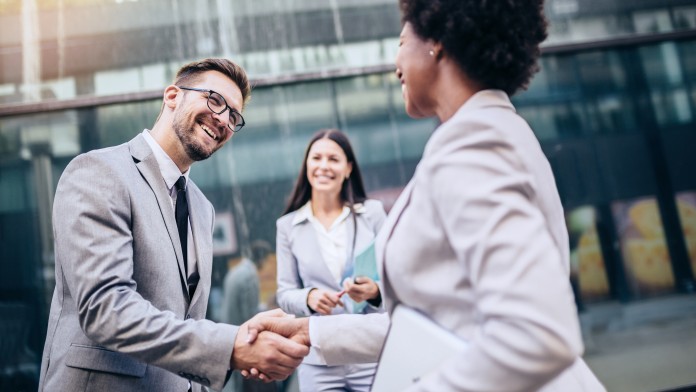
352,378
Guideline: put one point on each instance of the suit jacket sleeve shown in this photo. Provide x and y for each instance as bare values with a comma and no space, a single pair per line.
92,219
291,294
376,214
527,331
349,338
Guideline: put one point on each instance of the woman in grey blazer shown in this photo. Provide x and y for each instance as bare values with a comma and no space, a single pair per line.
328,221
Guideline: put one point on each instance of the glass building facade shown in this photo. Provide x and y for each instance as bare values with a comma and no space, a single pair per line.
614,107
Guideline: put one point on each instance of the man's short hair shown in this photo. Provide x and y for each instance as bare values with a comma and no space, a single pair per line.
191,72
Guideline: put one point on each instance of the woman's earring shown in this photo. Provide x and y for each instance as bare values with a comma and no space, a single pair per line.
432,53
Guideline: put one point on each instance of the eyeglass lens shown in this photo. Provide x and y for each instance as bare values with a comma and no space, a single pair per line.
217,104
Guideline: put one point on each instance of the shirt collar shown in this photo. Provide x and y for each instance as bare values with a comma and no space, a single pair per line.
170,172
305,212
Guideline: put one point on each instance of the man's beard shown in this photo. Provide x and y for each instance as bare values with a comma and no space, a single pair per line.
185,131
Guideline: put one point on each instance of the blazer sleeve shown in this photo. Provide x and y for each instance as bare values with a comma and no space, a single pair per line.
92,219
376,214
349,338
528,331
291,293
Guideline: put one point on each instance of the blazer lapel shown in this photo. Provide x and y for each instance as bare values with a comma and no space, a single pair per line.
201,230
362,238
383,237
350,234
148,167
308,247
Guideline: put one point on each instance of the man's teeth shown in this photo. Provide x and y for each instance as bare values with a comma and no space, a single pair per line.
209,132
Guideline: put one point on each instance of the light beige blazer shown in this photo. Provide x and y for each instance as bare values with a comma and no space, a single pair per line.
477,242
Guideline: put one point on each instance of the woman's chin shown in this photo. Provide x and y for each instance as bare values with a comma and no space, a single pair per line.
326,189
415,112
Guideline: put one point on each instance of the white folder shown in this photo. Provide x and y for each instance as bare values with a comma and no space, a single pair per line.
415,346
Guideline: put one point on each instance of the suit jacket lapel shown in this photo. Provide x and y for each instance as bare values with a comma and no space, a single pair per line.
350,233
201,229
383,237
148,167
309,248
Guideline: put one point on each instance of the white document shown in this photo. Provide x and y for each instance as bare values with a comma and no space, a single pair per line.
414,347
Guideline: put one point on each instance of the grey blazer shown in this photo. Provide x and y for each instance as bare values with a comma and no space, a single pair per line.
477,241
121,318
300,264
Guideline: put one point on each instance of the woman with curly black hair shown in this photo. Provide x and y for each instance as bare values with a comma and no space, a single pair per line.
477,240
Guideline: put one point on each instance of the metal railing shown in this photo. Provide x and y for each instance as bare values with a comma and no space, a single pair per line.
16,109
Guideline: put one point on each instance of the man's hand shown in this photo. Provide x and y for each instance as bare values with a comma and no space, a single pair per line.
292,328
361,289
274,355
323,301
296,329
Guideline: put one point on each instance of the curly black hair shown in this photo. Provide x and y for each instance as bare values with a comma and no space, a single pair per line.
495,42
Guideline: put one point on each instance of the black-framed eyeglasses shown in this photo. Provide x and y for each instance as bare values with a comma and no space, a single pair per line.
218,105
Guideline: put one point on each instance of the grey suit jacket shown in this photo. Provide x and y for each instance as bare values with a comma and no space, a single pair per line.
121,318
300,264
477,241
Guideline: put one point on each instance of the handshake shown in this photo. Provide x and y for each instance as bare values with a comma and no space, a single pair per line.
271,345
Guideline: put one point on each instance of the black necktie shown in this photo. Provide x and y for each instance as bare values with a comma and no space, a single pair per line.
181,213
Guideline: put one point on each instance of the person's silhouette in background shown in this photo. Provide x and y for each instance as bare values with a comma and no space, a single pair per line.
240,300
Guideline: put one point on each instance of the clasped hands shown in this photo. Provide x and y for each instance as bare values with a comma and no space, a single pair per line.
272,344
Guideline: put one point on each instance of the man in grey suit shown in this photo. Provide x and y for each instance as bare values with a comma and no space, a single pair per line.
133,246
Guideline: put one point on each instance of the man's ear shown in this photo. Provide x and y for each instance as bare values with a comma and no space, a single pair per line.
170,95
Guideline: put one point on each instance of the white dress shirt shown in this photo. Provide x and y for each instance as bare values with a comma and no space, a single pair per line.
171,173
332,242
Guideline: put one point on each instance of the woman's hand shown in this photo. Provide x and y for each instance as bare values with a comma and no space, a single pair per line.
361,289
323,301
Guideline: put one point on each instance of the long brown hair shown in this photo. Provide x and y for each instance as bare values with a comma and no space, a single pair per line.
352,190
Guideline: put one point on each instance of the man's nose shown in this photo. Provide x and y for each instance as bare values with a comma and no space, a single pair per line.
223,118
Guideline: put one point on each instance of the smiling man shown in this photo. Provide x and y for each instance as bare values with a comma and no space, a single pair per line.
133,248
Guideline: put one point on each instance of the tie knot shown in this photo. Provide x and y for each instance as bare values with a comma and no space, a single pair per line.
180,184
